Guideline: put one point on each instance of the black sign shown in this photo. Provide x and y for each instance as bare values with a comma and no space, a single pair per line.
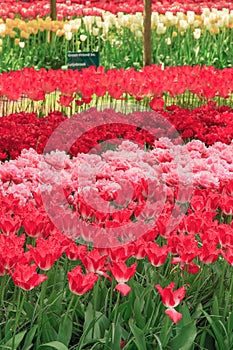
79,60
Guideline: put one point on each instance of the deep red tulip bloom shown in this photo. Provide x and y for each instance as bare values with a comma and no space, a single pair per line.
80,283
156,104
65,100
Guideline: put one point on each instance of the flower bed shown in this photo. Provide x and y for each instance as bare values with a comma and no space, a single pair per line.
116,228
118,38
207,124
153,226
32,9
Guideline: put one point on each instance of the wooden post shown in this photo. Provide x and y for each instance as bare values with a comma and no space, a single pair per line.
53,9
147,45
53,16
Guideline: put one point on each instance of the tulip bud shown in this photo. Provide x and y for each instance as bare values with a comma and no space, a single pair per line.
22,44
83,37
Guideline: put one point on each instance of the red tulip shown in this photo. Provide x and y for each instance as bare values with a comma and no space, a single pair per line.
47,251
156,255
122,274
74,251
26,277
171,299
80,283
95,262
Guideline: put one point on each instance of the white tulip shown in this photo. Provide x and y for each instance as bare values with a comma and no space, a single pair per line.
98,19
180,15
21,44
105,28
2,28
206,11
88,21
134,27
191,16
197,33
169,15
183,24
68,35
67,27
161,29
139,34
95,31
83,37
212,16
168,41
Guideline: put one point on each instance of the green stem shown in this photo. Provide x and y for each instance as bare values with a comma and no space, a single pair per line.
116,308
40,313
110,301
2,289
95,301
69,307
95,296
18,313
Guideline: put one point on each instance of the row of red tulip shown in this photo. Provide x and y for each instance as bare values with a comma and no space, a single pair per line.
150,82
208,124
67,9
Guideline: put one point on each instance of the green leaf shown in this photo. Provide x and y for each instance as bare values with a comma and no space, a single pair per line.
140,320
139,336
29,309
217,332
8,330
215,306
65,331
28,343
18,338
101,323
48,332
125,310
54,344
186,318
185,338
165,331
84,334
203,333
117,337
230,323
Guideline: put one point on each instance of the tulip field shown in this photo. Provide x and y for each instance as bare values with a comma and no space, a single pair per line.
116,181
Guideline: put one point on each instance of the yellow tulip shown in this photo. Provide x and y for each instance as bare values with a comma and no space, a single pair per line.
24,34
12,34
60,32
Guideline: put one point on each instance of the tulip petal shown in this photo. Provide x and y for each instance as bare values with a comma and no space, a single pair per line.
174,315
123,288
